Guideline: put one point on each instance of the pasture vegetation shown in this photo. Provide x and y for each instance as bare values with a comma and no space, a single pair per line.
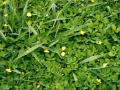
60,45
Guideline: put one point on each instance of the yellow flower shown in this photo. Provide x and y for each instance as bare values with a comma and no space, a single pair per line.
92,0
63,48
98,81
29,14
99,42
105,65
46,50
5,14
82,32
8,70
62,54
38,86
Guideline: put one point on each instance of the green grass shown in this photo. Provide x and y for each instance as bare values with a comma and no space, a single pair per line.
33,32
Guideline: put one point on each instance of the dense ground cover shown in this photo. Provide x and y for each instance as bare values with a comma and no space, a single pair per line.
60,45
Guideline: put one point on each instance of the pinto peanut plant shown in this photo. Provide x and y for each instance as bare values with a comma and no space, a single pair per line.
59,44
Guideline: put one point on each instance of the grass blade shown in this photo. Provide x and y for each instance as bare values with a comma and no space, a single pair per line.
28,51
24,11
53,43
92,58
96,4
3,36
36,57
25,8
